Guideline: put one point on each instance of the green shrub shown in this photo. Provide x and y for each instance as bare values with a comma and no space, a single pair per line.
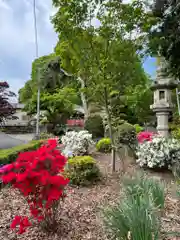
138,128
60,130
2,129
129,220
9,155
176,133
126,135
136,215
104,145
141,186
94,125
46,135
82,170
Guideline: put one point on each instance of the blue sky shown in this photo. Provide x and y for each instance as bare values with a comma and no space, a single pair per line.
150,66
17,50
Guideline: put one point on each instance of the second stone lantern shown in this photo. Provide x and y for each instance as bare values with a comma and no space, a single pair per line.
162,105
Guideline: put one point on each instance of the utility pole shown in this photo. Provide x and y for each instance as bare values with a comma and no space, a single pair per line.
38,105
38,70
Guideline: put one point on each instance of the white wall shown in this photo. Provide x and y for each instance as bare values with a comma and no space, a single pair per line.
22,119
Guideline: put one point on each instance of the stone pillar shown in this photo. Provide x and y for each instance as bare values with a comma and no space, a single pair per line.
162,123
162,105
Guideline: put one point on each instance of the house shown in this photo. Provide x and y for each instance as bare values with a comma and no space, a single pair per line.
22,117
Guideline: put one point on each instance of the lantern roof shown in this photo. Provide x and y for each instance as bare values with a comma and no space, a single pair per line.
163,79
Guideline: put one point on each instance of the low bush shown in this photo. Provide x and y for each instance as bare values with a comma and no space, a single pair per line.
129,220
104,145
136,215
126,135
141,186
76,143
138,128
9,155
60,129
94,125
160,152
46,135
82,170
176,133
37,175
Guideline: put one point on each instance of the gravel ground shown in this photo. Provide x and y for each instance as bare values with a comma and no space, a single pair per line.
79,216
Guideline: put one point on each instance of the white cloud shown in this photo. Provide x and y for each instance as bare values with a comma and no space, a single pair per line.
17,38
17,42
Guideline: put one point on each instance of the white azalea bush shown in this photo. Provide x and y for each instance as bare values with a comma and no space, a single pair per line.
160,152
77,143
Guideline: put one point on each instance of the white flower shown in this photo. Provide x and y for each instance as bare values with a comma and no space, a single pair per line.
77,143
160,152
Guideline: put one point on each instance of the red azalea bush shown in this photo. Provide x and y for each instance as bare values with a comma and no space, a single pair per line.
37,175
145,136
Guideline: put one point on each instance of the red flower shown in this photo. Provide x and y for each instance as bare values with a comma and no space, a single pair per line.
21,177
35,212
25,222
58,180
22,222
36,175
22,229
145,136
9,177
54,194
16,221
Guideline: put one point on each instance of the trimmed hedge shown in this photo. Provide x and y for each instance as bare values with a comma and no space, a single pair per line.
82,170
104,145
9,155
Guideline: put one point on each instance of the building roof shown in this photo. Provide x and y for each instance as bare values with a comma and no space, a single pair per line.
18,105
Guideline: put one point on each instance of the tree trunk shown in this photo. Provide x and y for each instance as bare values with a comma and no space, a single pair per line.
83,99
113,160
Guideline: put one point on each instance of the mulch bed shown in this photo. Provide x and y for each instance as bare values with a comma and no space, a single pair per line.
79,215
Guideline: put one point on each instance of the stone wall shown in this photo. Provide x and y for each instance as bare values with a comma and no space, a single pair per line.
18,129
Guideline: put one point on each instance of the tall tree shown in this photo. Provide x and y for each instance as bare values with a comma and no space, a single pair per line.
164,33
47,71
6,108
26,92
56,107
102,57
139,100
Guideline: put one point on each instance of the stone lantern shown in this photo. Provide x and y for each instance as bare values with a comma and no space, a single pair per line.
162,105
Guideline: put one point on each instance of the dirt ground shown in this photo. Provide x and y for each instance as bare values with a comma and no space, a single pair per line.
79,215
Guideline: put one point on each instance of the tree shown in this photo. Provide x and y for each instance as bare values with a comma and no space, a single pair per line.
6,109
163,35
26,92
139,100
103,58
56,108
47,71
51,77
